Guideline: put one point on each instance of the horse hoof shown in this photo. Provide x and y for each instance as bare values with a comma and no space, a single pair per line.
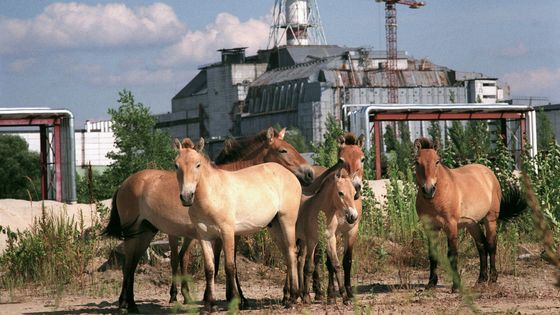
172,299
347,301
306,299
244,304
455,289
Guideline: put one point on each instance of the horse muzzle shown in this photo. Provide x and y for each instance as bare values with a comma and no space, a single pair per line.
188,200
351,216
305,175
429,191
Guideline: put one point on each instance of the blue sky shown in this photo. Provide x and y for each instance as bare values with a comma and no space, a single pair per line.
79,55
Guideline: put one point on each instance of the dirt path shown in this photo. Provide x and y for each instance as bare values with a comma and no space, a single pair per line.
531,291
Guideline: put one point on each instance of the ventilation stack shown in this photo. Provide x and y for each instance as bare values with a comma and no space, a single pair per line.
298,22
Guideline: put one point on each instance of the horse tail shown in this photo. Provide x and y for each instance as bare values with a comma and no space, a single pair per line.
513,203
114,228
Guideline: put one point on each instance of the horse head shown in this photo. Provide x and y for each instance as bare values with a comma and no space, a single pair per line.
280,151
427,166
188,165
343,196
350,152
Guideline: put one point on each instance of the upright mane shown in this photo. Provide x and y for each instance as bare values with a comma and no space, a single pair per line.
350,139
317,184
238,149
425,143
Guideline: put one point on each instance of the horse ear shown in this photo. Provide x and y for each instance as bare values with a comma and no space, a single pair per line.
417,146
436,144
177,144
270,135
341,141
282,133
187,143
200,145
361,140
339,172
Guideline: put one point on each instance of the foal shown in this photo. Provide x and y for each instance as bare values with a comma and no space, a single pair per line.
335,197
449,199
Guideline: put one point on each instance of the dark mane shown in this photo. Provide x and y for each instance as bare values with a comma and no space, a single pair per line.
425,143
350,139
237,149
317,185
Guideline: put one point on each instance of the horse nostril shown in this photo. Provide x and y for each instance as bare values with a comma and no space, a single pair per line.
309,174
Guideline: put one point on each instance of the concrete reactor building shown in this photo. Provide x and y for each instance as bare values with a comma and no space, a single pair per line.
304,81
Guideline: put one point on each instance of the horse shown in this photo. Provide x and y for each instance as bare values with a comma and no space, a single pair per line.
224,204
142,205
350,155
450,199
335,196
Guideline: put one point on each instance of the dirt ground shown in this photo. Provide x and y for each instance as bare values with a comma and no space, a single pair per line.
530,291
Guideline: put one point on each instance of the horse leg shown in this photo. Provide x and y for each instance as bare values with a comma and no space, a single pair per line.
335,268
218,245
278,235
228,239
243,301
208,253
491,238
134,248
185,255
452,231
318,261
481,245
173,247
308,268
347,262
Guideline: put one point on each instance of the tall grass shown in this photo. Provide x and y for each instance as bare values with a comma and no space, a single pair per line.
51,253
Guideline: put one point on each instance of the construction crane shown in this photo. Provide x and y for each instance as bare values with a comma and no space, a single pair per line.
391,38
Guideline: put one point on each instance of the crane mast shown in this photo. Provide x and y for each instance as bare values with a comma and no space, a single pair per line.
391,42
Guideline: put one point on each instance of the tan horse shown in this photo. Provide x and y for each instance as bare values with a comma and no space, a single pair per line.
450,199
350,155
335,197
146,202
224,204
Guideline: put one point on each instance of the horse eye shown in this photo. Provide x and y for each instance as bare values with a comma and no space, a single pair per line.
198,165
176,167
283,151
341,194
437,162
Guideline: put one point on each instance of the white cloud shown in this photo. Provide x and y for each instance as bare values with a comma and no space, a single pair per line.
227,31
73,25
535,82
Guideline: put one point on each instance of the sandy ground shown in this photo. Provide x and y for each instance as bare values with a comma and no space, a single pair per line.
530,291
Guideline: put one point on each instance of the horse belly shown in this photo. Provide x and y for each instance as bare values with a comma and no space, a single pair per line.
253,220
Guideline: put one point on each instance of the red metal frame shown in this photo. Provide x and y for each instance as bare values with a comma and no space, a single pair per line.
377,118
44,124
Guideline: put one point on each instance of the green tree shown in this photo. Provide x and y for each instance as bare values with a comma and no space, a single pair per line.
139,145
20,173
545,133
326,153
400,145
434,131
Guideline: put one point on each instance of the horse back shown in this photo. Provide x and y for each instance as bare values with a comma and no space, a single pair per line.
478,191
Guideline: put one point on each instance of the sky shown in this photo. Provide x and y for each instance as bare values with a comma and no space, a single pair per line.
79,55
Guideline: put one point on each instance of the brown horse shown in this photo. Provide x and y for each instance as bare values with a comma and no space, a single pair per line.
145,203
335,196
350,155
450,199
224,204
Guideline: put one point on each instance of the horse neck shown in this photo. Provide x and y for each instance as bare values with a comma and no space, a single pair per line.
254,157
320,201
207,184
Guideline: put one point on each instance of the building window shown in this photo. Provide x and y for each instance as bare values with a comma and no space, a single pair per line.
489,96
489,84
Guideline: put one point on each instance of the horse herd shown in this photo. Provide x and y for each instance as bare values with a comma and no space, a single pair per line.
263,182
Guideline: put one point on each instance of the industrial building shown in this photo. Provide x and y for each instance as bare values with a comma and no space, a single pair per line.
301,84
